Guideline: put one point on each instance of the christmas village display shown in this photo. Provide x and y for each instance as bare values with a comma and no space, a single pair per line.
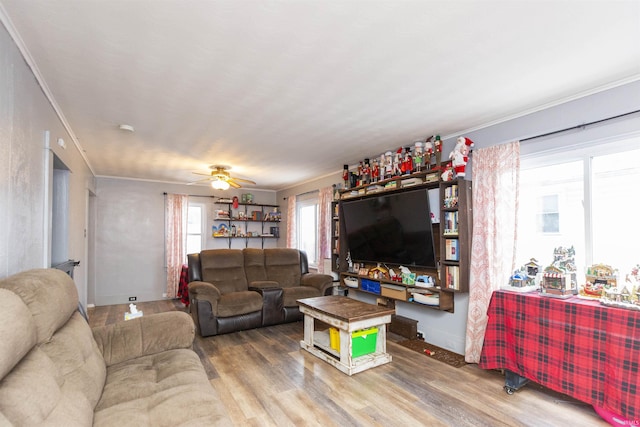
405,161
559,280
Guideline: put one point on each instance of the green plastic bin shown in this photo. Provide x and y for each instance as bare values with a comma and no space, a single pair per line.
363,341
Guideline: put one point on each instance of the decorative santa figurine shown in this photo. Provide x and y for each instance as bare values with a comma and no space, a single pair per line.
428,152
460,156
418,156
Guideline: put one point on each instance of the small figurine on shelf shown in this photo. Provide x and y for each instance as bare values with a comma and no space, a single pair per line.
366,173
438,151
397,162
388,165
418,156
460,156
359,174
447,174
428,152
407,162
375,171
345,176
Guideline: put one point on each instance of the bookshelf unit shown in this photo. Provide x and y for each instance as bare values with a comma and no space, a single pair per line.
249,222
452,241
455,240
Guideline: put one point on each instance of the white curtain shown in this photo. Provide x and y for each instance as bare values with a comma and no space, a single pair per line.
495,173
324,229
176,207
291,222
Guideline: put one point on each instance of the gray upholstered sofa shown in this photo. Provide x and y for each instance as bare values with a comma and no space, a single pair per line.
56,371
236,289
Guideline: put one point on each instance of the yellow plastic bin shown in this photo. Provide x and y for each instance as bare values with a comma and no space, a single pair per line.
334,338
363,342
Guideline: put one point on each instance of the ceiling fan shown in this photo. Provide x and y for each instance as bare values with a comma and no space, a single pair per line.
221,179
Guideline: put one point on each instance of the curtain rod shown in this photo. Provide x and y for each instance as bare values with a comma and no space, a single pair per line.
579,126
192,195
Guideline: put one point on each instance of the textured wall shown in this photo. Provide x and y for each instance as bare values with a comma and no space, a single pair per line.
26,118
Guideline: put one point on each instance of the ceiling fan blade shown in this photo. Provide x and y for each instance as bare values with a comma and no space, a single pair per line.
203,174
199,181
233,183
248,181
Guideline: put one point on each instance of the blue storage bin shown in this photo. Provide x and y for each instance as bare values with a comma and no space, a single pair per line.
370,286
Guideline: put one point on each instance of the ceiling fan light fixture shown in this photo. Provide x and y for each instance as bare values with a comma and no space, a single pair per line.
218,184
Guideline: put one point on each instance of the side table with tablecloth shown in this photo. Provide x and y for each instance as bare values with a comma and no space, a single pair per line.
577,347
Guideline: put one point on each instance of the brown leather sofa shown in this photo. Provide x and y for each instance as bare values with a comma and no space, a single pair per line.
236,289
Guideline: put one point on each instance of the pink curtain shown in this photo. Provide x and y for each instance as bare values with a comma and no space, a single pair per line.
495,172
291,222
176,206
324,231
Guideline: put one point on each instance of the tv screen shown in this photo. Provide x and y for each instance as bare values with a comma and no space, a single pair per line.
391,228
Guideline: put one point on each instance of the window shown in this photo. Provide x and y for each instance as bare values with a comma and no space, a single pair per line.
195,227
307,226
582,198
549,217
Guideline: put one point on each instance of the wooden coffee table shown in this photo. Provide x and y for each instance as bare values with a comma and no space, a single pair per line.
347,315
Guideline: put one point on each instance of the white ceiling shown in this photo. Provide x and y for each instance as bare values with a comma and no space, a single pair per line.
288,91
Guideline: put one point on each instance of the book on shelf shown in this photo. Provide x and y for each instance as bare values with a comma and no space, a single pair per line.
451,252
452,277
450,223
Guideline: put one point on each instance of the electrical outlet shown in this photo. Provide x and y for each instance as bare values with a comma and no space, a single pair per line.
164,295
420,335
133,298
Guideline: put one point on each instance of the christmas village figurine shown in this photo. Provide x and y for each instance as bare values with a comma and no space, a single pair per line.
598,278
527,278
428,152
460,156
625,294
559,279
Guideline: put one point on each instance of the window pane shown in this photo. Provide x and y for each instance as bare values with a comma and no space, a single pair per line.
307,231
616,231
551,213
194,220
194,243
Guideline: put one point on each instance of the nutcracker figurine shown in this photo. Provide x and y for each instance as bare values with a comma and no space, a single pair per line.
438,151
345,176
428,152
366,172
375,171
407,162
388,165
418,156
397,162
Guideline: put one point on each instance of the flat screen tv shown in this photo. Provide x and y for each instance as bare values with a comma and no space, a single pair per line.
391,228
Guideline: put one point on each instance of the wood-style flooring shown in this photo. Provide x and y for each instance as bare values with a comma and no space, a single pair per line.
265,379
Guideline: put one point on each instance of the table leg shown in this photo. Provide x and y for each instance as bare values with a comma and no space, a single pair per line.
309,328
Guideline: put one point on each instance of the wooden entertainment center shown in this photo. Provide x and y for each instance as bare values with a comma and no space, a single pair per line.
451,234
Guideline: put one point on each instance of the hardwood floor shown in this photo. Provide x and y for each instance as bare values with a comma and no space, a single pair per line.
265,379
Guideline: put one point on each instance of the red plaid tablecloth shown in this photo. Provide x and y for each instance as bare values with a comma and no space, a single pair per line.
183,285
580,348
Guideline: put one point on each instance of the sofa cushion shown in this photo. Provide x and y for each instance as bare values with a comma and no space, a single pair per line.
15,316
137,393
283,266
237,303
254,265
291,295
58,382
50,295
224,268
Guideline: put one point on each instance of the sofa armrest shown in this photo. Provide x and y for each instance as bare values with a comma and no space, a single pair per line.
144,336
204,291
263,284
321,282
